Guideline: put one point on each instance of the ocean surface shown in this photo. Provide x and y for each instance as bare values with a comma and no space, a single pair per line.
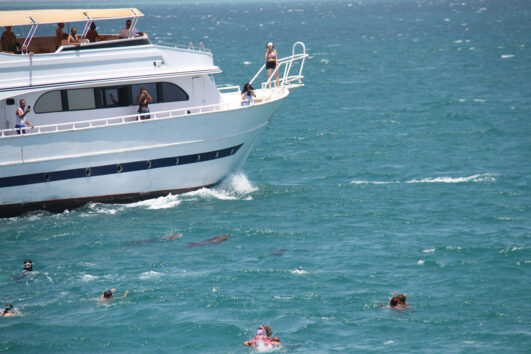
403,165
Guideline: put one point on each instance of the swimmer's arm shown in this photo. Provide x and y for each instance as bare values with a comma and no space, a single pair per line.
125,294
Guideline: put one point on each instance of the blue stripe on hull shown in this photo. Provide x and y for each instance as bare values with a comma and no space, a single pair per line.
93,171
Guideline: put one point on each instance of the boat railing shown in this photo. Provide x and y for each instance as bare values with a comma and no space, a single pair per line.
130,118
286,64
190,46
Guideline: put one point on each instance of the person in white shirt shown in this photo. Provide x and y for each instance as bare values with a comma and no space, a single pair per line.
21,117
127,33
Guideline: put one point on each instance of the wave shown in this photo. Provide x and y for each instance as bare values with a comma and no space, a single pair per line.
150,275
484,177
88,277
234,187
371,182
163,202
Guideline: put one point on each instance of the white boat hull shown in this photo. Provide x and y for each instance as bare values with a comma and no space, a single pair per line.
127,162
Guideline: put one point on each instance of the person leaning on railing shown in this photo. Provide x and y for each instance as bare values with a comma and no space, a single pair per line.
21,117
143,100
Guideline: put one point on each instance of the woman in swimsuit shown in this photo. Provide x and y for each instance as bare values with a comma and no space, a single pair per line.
271,62
143,100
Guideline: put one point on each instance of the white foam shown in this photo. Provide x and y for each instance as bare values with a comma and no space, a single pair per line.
234,187
485,177
246,63
299,272
164,202
389,342
88,277
371,182
109,209
421,262
429,250
262,347
507,56
150,275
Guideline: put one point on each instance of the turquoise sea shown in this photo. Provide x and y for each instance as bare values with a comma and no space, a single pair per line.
403,165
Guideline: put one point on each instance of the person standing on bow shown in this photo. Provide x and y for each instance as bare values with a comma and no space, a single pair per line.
21,117
271,62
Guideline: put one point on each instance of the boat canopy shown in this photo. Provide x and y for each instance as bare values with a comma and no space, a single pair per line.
40,17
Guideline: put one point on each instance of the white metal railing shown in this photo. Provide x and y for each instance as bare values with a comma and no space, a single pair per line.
189,46
287,80
131,118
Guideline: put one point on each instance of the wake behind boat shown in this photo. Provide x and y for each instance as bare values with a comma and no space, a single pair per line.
89,142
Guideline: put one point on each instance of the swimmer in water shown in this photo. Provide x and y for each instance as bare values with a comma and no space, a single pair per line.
8,311
108,296
261,338
402,304
28,265
398,302
269,333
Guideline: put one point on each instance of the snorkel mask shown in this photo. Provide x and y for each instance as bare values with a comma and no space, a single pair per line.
28,265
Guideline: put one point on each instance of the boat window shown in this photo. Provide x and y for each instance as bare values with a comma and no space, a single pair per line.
81,99
107,97
151,88
172,93
49,102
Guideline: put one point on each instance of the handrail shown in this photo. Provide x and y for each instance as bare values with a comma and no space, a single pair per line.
131,118
287,80
190,46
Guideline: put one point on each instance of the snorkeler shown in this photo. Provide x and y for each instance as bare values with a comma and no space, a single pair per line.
398,302
28,265
8,311
269,333
261,339
108,296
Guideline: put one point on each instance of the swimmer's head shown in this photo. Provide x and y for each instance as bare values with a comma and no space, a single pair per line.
268,331
8,308
260,332
270,45
28,265
393,301
107,294
300,268
401,298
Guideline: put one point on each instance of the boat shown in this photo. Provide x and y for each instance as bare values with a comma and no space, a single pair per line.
88,141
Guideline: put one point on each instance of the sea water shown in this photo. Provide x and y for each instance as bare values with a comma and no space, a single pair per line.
402,165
